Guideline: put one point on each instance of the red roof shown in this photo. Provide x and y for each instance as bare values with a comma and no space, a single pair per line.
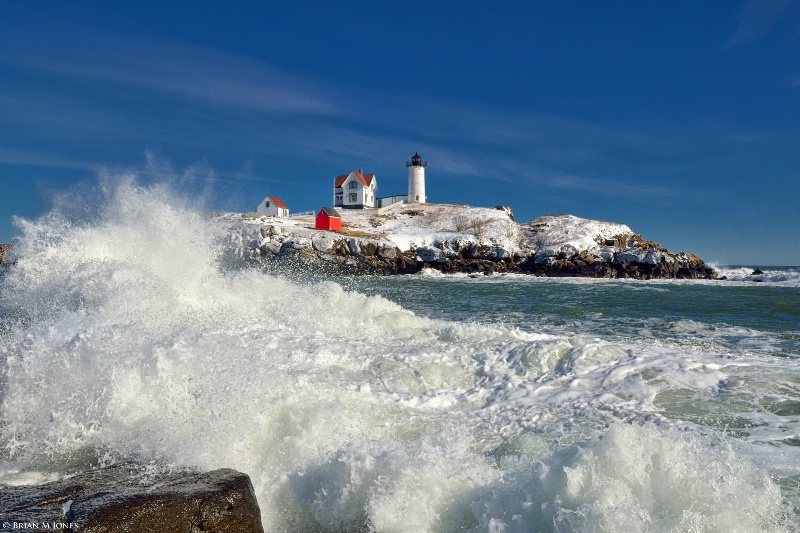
278,202
365,179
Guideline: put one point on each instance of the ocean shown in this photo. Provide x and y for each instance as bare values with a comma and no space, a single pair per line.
400,404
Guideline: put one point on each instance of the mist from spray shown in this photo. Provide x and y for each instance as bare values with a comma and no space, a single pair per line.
129,338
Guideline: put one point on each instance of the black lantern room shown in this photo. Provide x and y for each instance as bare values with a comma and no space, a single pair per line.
417,161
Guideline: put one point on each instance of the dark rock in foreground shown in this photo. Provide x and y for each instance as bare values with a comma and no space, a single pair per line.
124,499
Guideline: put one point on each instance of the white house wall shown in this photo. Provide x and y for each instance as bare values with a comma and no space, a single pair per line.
364,195
348,189
271,211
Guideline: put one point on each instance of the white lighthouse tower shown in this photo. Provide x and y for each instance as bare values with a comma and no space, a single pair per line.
416,180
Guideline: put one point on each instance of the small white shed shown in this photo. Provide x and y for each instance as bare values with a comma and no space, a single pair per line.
272,206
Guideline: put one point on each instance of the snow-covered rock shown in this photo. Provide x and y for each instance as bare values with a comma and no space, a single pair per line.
427,254
582,233
323,242
459,238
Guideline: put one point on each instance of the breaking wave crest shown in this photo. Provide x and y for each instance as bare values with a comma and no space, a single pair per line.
785,276
127,337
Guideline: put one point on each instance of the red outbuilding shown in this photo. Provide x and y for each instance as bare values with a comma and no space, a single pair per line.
328,218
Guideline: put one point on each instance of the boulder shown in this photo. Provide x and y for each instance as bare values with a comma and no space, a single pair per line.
562,268
291,247
323,242
654,257
369,247
450,247
631,255
272,247
567,251
623,240
387,252
427,254
507,210
605,253
545,256
499,253
473,251
127,498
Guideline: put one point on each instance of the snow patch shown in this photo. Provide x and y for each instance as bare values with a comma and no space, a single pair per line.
553,231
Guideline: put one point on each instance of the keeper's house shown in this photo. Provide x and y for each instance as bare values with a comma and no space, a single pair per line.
355,190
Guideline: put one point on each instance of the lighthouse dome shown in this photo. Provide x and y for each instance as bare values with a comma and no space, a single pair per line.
416,161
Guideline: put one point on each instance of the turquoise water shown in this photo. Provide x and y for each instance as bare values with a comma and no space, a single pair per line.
753,328
614,309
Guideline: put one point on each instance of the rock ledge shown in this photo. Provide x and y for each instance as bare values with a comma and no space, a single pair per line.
126,498
553,246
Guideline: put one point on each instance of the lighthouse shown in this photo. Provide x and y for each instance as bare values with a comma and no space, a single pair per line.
416,179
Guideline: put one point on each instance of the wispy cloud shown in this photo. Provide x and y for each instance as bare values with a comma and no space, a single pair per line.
207,102
352,145
41,158
539,176
536,135
179,69
756,19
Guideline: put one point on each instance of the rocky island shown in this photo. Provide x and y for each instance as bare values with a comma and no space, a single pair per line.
455,238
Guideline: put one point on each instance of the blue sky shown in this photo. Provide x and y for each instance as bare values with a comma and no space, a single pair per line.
678,118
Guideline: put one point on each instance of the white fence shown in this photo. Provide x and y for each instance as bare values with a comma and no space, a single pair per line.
302,214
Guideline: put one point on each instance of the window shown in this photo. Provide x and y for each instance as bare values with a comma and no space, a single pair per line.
338,199
352,185
266,204
352,197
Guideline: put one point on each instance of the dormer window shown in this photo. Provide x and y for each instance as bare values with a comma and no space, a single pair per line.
352,185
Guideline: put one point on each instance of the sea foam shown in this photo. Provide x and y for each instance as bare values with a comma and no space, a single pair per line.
129,338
